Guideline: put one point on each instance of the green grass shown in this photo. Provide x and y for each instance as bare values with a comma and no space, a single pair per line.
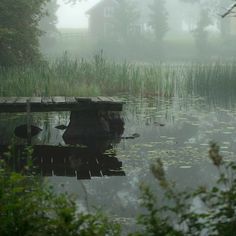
67,77
98,76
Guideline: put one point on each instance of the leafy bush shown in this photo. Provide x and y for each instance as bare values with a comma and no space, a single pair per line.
28,207
217,215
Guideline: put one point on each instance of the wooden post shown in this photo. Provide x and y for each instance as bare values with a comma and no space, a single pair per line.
28,122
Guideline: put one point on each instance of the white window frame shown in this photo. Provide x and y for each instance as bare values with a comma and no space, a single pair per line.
108,12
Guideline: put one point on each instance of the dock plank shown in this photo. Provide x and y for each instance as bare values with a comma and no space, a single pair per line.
70,100
105,99
47,100
47,104
21,100
35,100
2,100
59,100
11,100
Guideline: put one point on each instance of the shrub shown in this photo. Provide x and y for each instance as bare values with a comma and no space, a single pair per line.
218,212
28,207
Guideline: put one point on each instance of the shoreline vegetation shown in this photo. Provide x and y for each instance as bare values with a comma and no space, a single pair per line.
28,207
99,76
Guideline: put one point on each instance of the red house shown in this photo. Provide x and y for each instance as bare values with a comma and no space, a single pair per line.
100,16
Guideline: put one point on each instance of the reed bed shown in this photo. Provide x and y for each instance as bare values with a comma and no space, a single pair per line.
216,78
66,77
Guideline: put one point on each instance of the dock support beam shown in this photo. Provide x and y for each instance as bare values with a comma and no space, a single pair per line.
28,110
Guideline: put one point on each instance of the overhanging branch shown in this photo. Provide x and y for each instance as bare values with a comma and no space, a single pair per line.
229,10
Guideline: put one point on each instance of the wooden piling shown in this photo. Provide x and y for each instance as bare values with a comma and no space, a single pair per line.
28,121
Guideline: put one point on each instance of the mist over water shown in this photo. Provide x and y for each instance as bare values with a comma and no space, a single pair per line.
171,61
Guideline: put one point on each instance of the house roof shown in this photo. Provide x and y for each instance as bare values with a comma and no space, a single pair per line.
98,5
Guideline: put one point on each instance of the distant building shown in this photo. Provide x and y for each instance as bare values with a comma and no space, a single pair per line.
100,17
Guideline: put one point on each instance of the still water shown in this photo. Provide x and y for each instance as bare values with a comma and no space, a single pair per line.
176,129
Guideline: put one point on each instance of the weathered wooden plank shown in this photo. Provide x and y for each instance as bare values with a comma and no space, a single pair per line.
47,100
47,104
2,100
70,100
59,100
95,99
21,100
11,100
116,100
105,99
35,100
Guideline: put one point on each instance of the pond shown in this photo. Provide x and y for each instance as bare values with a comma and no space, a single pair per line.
176,129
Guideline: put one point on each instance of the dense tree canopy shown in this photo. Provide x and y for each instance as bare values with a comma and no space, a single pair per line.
125,18
159,19
19,31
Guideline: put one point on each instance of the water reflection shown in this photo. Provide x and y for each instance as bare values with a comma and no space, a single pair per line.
91,136
70,161
188,124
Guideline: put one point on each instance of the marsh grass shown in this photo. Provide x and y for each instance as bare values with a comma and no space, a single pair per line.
212,78
99,76
66,77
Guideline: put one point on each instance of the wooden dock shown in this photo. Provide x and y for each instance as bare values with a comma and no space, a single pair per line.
48,104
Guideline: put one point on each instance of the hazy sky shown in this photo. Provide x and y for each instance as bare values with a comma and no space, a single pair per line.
73,15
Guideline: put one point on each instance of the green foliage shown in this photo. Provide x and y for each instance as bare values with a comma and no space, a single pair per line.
200,33
217,215
19,31
29,207
125,20
159,19
89,78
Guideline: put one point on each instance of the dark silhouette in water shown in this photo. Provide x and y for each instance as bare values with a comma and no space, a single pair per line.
21,131
61,127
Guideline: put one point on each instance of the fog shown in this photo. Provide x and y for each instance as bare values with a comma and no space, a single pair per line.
74,15
141,30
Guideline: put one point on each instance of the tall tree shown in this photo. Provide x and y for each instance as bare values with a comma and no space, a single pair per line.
159,19
19,32
200,33
125,18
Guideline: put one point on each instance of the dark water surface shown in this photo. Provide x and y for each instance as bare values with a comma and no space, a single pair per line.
177,130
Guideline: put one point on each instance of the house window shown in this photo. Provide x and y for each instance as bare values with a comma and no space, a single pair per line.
108,11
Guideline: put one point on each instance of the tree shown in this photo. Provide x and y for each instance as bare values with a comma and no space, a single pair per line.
229,10
159,19
200,33
125,19
19,31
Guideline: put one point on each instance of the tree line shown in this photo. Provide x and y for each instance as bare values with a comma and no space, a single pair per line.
23,22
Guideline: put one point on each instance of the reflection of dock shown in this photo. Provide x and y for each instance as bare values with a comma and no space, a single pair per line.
69,161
